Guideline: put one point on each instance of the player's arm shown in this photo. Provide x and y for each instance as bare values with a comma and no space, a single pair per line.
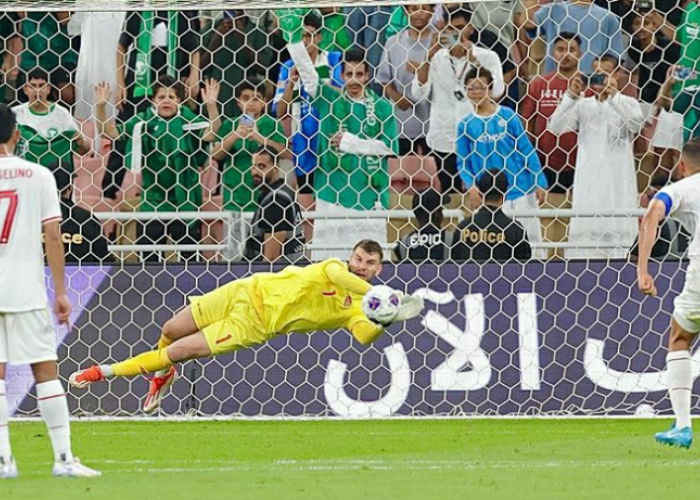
55,252
55,256
365,331
339,275
648,232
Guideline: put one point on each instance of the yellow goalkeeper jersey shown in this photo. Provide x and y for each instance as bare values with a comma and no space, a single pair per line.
323,296
247,312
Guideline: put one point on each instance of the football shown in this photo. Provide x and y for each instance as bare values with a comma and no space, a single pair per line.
381,304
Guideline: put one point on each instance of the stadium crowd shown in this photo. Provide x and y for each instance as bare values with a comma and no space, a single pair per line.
493,108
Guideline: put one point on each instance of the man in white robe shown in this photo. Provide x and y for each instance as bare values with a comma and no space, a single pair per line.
605,177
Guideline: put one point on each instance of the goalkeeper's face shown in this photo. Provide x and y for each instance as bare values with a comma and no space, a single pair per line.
364,264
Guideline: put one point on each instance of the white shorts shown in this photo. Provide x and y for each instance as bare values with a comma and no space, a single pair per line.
27,337
686,310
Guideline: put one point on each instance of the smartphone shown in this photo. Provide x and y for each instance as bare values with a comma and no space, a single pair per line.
597,79
247,120
683,73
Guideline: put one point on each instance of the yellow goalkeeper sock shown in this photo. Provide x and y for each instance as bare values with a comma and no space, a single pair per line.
164,342
148,362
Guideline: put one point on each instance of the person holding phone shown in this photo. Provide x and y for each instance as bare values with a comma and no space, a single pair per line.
238,140
607,123
440,81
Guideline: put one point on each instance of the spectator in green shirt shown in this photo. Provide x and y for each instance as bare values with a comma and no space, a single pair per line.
240,138
358,133
49,135
237,50
47,45
335,34
164,145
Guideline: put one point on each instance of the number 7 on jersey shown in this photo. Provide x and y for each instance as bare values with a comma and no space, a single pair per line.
8,211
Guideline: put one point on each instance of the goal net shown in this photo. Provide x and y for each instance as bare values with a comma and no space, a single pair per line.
500,152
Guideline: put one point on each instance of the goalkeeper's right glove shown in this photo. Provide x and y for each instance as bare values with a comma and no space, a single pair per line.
409,307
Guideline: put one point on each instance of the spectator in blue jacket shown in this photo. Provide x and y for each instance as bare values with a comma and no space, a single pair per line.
494,138
292,99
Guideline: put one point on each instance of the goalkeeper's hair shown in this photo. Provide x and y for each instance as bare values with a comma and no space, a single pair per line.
690,154
8,123
370,246
170,83
610,58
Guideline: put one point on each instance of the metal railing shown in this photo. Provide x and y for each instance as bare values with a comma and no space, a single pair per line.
243,217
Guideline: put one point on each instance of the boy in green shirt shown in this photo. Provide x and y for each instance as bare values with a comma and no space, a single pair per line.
49,135
239,139
164,145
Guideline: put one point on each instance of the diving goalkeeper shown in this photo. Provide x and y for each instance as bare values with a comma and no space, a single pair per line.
251,311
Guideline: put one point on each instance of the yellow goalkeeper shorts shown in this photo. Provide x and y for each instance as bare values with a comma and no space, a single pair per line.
229,318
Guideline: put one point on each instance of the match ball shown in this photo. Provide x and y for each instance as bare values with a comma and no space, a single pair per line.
381,304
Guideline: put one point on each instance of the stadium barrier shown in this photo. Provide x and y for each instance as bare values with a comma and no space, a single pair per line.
561,338
244,218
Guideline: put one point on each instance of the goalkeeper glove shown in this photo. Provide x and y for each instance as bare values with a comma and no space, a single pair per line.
409,307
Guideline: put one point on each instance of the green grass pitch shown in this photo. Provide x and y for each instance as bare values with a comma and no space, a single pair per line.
418,459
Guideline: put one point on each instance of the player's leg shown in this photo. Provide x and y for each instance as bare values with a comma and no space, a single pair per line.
157,361
31,339
183,349
179,326
8,468
53,408
680,382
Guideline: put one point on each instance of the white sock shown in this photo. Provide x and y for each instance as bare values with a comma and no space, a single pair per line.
5,450
53,406
680,385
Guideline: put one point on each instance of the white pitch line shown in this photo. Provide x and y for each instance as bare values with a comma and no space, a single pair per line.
320,464
371,466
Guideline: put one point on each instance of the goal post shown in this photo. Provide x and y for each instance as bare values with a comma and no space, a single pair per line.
451,107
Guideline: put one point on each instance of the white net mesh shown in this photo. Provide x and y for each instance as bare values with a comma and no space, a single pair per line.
383,122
